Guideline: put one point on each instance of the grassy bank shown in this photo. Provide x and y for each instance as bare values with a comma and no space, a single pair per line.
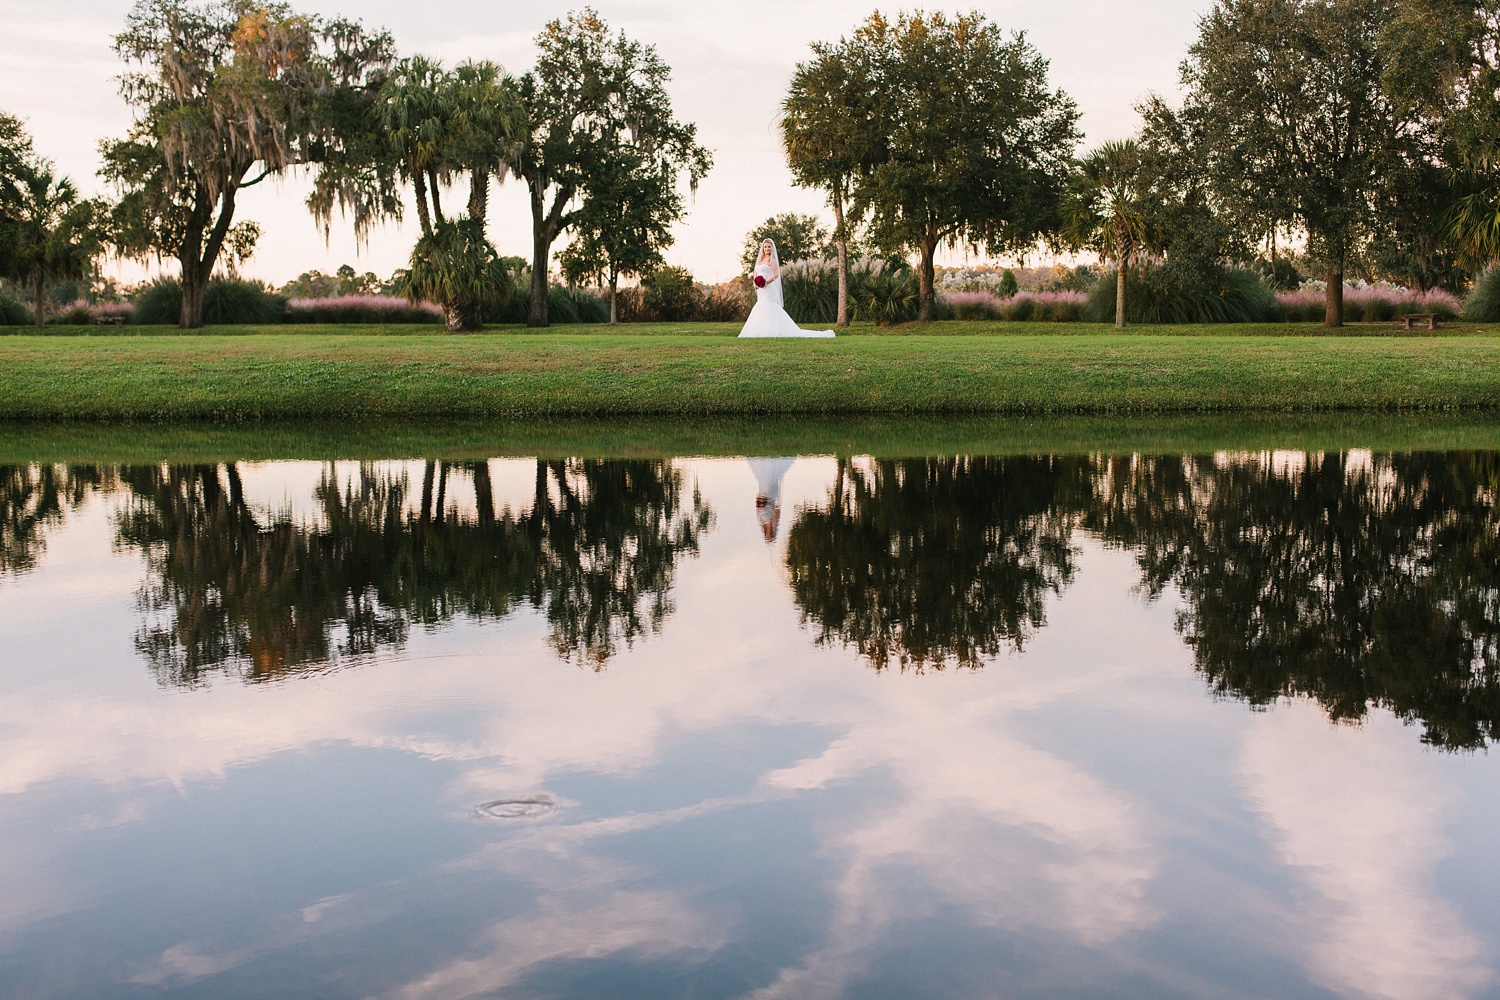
961,368
657,437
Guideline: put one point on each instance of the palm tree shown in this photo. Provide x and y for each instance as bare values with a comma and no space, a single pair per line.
412,109
49,233
1105,209
486,124
458,268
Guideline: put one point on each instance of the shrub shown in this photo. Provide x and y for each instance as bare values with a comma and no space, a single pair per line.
564,305
76,313
1008,286
1163,294
670,295
1483,303
361,309
725,304
457,267
225,301
1367,305
879,292
13,313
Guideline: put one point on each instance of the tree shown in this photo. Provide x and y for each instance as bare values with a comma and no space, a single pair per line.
1444,63
1288,99
931,562
486,128
798,237
589,95
226,94
1351,583
1107,207
47,233
974,145
456,266
826,132
625,222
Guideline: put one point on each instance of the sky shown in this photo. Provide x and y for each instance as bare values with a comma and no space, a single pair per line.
730,63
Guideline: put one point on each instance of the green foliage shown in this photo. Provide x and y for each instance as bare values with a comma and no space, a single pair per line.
13,313
564,305
1483,303
1079,278
1008,286
971,144
625,221
457,267
439,123
594,97
878,292
1160,295
48,235
225,94
670,294
797,237
345,281
1265,80
226,301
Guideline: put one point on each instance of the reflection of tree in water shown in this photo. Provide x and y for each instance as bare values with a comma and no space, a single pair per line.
1354,583
34,499
597,553
935,561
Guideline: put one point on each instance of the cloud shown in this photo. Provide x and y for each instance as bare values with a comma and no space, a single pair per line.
1359,817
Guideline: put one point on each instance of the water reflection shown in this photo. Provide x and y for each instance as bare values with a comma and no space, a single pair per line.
1355,580
34,499
263,597
930,562
739,810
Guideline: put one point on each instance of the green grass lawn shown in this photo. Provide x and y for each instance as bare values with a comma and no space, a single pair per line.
340,373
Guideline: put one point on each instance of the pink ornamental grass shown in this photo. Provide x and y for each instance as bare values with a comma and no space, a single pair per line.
1369,305
361,309
1056,307
121,311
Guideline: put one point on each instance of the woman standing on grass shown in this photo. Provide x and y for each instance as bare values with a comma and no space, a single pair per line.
769,318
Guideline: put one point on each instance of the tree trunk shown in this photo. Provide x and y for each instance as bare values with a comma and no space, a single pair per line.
1333,298
419,182
479,195
537,316
842,317
1122,267
1120,296
545,225
926,298
41,302
194,285
442,493
484,492
614,315
437,201
427,476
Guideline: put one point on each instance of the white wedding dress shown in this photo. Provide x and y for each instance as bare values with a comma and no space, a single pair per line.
769,318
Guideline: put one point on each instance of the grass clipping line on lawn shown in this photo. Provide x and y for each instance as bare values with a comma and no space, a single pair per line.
255,377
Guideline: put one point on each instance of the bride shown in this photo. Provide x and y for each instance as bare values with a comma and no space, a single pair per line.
769,318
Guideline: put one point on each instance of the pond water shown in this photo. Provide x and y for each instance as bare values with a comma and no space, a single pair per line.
1016,726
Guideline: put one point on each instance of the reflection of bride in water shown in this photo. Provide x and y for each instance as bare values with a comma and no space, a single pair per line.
769,317
768,473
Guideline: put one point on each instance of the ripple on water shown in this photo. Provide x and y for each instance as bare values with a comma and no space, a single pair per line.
526,807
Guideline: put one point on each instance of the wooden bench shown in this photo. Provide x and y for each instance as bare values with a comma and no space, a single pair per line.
110,320
1410,320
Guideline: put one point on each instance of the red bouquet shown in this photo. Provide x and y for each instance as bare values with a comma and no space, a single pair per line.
760,281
